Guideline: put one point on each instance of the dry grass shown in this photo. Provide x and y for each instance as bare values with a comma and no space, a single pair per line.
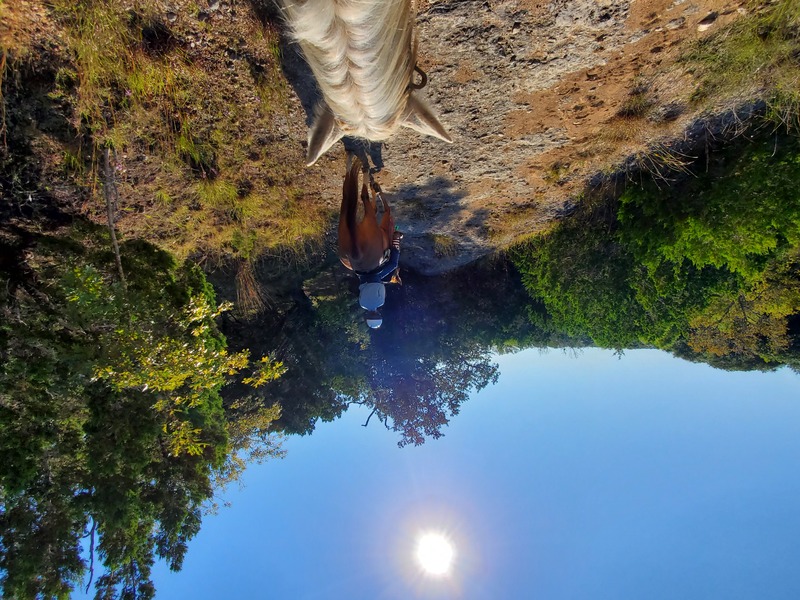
662,162
17,36
620,130
557,173
250,296
757,56
444,246
519,225
198,169
17,31
638,103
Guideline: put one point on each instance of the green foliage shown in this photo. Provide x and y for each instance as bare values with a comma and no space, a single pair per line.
745,211
199,155
267,370
754,320
583,279
111,419
432,351
709,264
73,163
252,438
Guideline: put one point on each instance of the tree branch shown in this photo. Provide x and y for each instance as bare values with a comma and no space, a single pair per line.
374,410
91,555
111,195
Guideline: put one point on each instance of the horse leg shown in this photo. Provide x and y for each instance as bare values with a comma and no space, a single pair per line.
387,220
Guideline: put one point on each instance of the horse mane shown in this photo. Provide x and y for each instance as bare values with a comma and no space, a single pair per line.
362,54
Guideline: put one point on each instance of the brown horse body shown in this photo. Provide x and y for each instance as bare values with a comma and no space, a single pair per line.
363,244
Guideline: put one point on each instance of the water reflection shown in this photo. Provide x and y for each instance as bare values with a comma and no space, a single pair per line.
706,268
568,476
368,248
432,351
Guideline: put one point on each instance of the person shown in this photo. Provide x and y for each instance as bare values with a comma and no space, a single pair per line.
372,285
369,249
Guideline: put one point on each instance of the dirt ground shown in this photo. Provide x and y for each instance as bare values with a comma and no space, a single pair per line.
538,96
532,93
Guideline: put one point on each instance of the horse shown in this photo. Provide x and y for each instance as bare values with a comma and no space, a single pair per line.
363,56
363,245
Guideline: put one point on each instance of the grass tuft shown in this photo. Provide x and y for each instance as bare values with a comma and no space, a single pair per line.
757,53
444,246
250,295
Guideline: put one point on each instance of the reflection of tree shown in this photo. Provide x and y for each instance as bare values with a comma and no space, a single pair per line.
414,373
419,372
756,320
111,422
711,264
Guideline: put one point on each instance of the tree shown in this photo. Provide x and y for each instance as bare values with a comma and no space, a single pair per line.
708,264
433,350
111,417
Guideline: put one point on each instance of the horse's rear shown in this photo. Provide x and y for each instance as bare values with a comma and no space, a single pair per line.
362,244
362,54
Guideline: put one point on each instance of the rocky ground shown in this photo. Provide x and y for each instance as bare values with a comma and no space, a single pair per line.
538,96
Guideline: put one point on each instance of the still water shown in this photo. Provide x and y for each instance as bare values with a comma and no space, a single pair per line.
651,452
578,475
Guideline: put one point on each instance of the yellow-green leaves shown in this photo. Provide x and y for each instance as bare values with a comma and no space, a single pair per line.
266,370
181,366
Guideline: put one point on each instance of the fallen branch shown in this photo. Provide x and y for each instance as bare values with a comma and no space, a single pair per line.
111,195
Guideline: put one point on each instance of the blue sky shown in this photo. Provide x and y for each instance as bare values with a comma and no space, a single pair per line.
576,476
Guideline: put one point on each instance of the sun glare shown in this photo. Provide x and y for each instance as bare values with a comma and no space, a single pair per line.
435,553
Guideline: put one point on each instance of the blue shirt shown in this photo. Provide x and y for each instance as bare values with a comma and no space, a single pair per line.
386,269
